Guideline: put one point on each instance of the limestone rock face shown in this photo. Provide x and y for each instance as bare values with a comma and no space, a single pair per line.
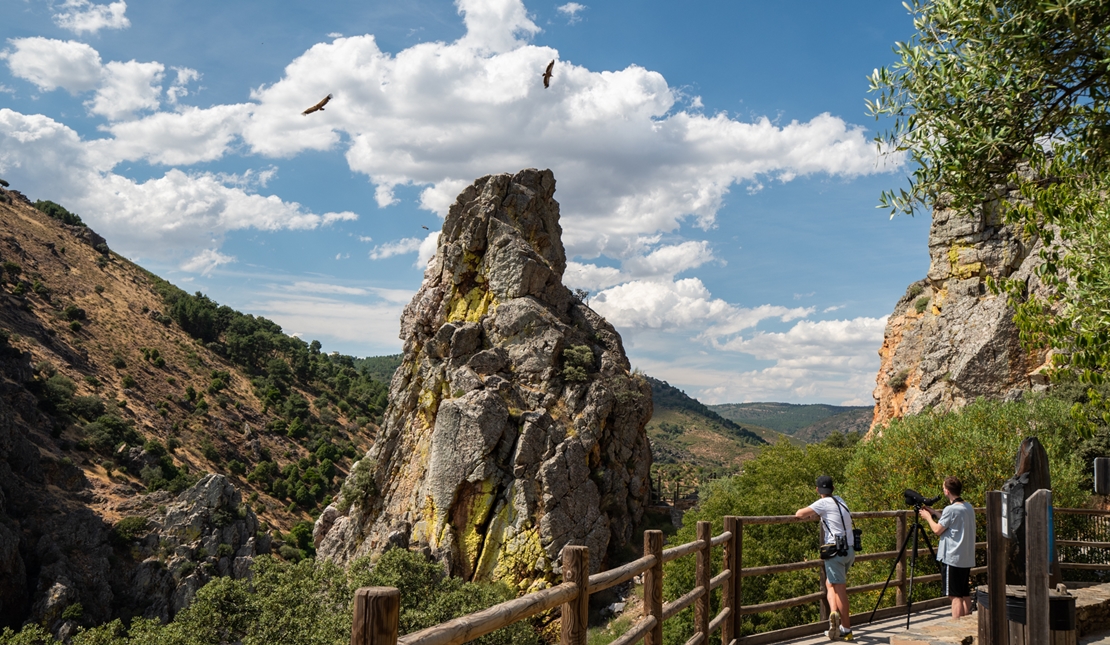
514,425
950,340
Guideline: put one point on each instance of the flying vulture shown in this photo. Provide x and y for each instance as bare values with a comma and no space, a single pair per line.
547,74
318,106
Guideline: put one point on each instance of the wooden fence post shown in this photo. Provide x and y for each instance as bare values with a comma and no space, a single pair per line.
576,611
1037,567
703,573
900,536
653,586
376,614
729,599
998,626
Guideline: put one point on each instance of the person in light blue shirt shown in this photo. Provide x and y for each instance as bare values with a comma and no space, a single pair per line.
956,552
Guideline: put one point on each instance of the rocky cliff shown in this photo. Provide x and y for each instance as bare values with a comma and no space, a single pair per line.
64,564
515,426
949,339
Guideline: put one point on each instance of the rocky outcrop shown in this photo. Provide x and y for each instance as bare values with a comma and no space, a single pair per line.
515,426
64,565
950,340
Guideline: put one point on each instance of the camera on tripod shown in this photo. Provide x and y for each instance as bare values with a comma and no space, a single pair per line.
917,500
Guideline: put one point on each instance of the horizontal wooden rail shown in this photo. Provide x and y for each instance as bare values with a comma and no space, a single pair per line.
720,539
676,552
1081,511
719,619
677,605
781,604
636,632
780,568
1085,566
478,624
1081,543
696,639
613,577
719,579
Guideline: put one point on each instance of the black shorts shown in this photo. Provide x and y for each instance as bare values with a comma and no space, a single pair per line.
955,581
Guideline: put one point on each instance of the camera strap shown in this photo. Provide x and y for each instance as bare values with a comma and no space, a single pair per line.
829,535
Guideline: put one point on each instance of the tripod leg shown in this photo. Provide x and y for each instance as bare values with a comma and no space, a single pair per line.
893,568
913,570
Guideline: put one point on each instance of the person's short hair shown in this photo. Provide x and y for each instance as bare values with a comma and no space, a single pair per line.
954,485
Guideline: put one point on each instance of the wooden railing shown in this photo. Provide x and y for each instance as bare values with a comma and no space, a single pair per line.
376,609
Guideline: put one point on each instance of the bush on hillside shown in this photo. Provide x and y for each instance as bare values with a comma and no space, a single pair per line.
302,603
58,212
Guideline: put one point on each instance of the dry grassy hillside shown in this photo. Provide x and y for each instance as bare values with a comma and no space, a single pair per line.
96,324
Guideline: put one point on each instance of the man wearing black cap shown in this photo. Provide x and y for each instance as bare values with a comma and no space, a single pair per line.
835,520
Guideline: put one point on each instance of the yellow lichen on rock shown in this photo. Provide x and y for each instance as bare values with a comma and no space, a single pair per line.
480,506
519,556
472,307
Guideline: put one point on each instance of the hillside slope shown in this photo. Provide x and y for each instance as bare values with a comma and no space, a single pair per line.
803,422
120,391
691,443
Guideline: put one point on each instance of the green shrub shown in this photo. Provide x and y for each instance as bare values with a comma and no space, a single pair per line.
73,612
73,312
898,381
118,362
359,487
58,212
86,407
578,361
209,451
109,431
916,289
98,288
131,528
128,381
921,304
75,326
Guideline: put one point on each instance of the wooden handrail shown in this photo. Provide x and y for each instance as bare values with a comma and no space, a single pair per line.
374,622
638,631
676,552
613,577
677,605
466,628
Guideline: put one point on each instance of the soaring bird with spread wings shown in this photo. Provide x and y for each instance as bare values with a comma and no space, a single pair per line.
319,106
547,74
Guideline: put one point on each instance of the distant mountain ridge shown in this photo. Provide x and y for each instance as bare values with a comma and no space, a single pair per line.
805,422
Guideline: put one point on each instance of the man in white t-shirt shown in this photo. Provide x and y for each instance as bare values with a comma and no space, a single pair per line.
956,551
835,520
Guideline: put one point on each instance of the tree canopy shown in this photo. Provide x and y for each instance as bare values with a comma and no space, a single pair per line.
1008,99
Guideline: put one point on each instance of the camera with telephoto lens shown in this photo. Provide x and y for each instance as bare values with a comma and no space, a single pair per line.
917,500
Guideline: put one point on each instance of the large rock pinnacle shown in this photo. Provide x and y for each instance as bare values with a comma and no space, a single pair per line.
950,340
514,425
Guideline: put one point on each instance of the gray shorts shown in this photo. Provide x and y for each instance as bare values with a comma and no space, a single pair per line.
836,569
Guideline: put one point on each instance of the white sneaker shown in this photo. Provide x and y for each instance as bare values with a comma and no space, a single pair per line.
834,626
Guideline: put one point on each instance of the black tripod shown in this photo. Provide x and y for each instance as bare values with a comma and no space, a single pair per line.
915,530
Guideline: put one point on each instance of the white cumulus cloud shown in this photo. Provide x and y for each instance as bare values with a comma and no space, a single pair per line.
80,16
206,261
51,64
571,11
399,247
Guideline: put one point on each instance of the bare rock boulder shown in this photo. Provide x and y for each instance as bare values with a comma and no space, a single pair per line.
515,426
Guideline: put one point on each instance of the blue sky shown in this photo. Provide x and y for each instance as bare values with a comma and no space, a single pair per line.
714,162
